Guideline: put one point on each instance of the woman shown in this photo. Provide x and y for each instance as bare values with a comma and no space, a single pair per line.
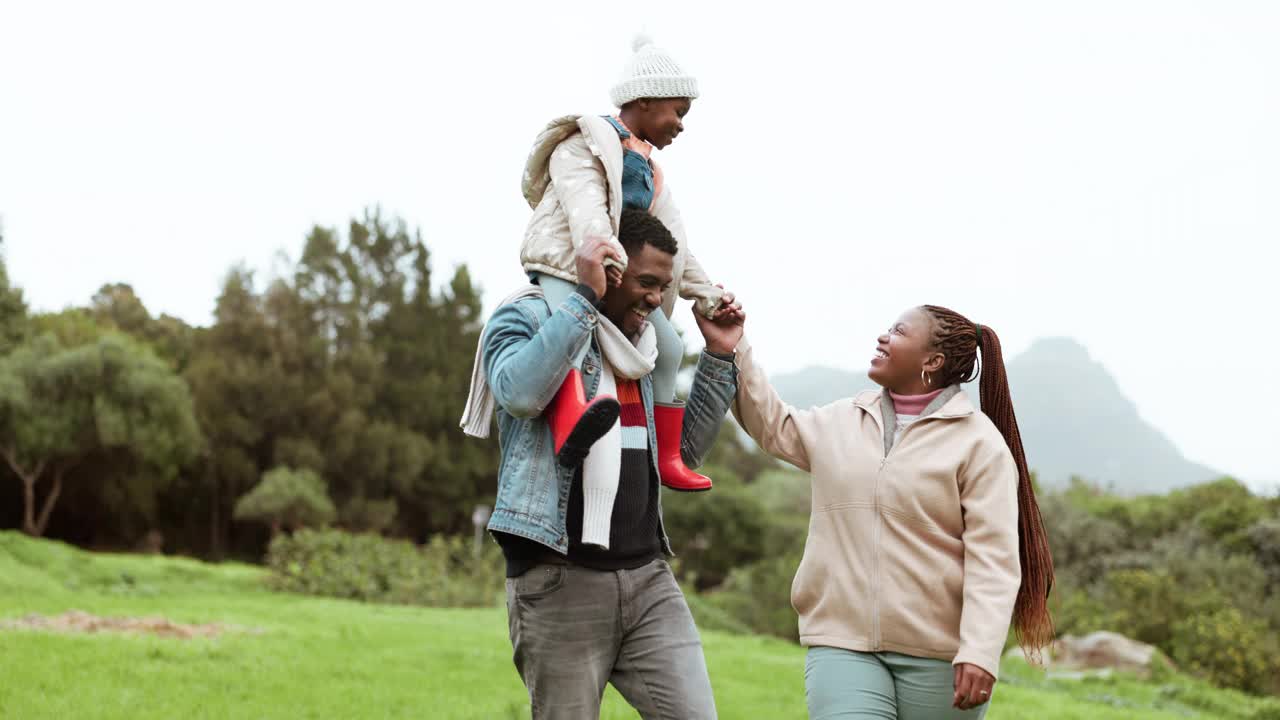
925,536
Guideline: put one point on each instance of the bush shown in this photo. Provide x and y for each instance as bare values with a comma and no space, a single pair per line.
444,573
715,532
1227,649
1144,605
1267,710
1081,541
759,596
1224,509
1075,611
1143,565
1205,571
1264,536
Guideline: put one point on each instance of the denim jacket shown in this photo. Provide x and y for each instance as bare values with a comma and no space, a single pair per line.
528,350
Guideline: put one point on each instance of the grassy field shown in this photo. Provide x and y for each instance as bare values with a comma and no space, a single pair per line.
298,657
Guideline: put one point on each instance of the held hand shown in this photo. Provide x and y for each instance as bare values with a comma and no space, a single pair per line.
723,331
973,686
590,263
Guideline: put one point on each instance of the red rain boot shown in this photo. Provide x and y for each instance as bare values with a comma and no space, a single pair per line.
669,422
577,424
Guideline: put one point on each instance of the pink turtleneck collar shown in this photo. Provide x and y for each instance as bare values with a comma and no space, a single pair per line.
913,404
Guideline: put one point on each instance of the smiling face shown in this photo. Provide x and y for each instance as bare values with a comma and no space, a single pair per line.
657,120
904,352
649,273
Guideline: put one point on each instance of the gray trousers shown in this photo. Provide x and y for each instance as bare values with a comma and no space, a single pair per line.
575,629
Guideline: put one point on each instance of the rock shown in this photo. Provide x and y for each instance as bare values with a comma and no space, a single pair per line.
1073,656
1102,650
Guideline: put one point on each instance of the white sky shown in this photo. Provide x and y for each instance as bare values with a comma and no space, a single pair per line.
1104,170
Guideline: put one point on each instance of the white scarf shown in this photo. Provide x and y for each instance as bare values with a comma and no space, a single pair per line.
601,471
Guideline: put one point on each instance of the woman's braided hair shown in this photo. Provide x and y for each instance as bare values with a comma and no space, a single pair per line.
959,339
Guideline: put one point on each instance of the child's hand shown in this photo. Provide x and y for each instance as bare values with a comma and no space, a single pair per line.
729,310
729,307
723,332
590,263
614,275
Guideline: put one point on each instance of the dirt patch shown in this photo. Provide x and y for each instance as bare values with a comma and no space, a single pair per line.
76,621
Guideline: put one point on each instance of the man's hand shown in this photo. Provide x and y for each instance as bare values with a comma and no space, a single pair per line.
723,332
590,263
973,686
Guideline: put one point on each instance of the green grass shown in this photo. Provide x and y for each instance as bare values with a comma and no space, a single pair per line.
318,658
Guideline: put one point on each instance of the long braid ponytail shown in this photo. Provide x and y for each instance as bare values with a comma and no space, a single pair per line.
959,340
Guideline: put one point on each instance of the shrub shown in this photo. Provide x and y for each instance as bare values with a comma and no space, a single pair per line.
1268,709
715,532
1227,649
444,573
1081,541
1143,605
759,596
1264,536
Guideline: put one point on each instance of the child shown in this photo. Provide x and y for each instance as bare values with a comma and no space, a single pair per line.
582,172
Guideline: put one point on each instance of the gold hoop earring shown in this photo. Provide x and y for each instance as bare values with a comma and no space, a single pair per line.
924,378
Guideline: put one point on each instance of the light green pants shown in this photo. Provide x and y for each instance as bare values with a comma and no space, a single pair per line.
844,685
670,346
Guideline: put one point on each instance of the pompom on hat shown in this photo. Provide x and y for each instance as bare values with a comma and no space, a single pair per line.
652,73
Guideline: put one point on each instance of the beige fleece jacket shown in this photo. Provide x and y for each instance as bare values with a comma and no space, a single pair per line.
573,182
914,551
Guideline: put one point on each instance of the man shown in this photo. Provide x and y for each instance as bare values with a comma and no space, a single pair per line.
585,614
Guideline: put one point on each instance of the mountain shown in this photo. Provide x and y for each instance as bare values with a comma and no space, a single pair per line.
1074,418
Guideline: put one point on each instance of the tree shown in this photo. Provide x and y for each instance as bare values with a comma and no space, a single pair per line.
241,392
117,306
13,311
287,498
428,343
385,393
61,405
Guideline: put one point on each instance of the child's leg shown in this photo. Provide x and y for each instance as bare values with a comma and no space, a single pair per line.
576,421
670,354
556,291
668,416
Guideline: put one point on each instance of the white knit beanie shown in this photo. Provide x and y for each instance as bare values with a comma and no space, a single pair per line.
651,73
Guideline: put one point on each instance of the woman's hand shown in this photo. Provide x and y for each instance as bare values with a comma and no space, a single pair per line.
973,686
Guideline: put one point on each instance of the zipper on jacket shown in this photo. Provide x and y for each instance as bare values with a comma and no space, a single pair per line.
875,578
876,639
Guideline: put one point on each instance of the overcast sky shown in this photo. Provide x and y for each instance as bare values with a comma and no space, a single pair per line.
1107,171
